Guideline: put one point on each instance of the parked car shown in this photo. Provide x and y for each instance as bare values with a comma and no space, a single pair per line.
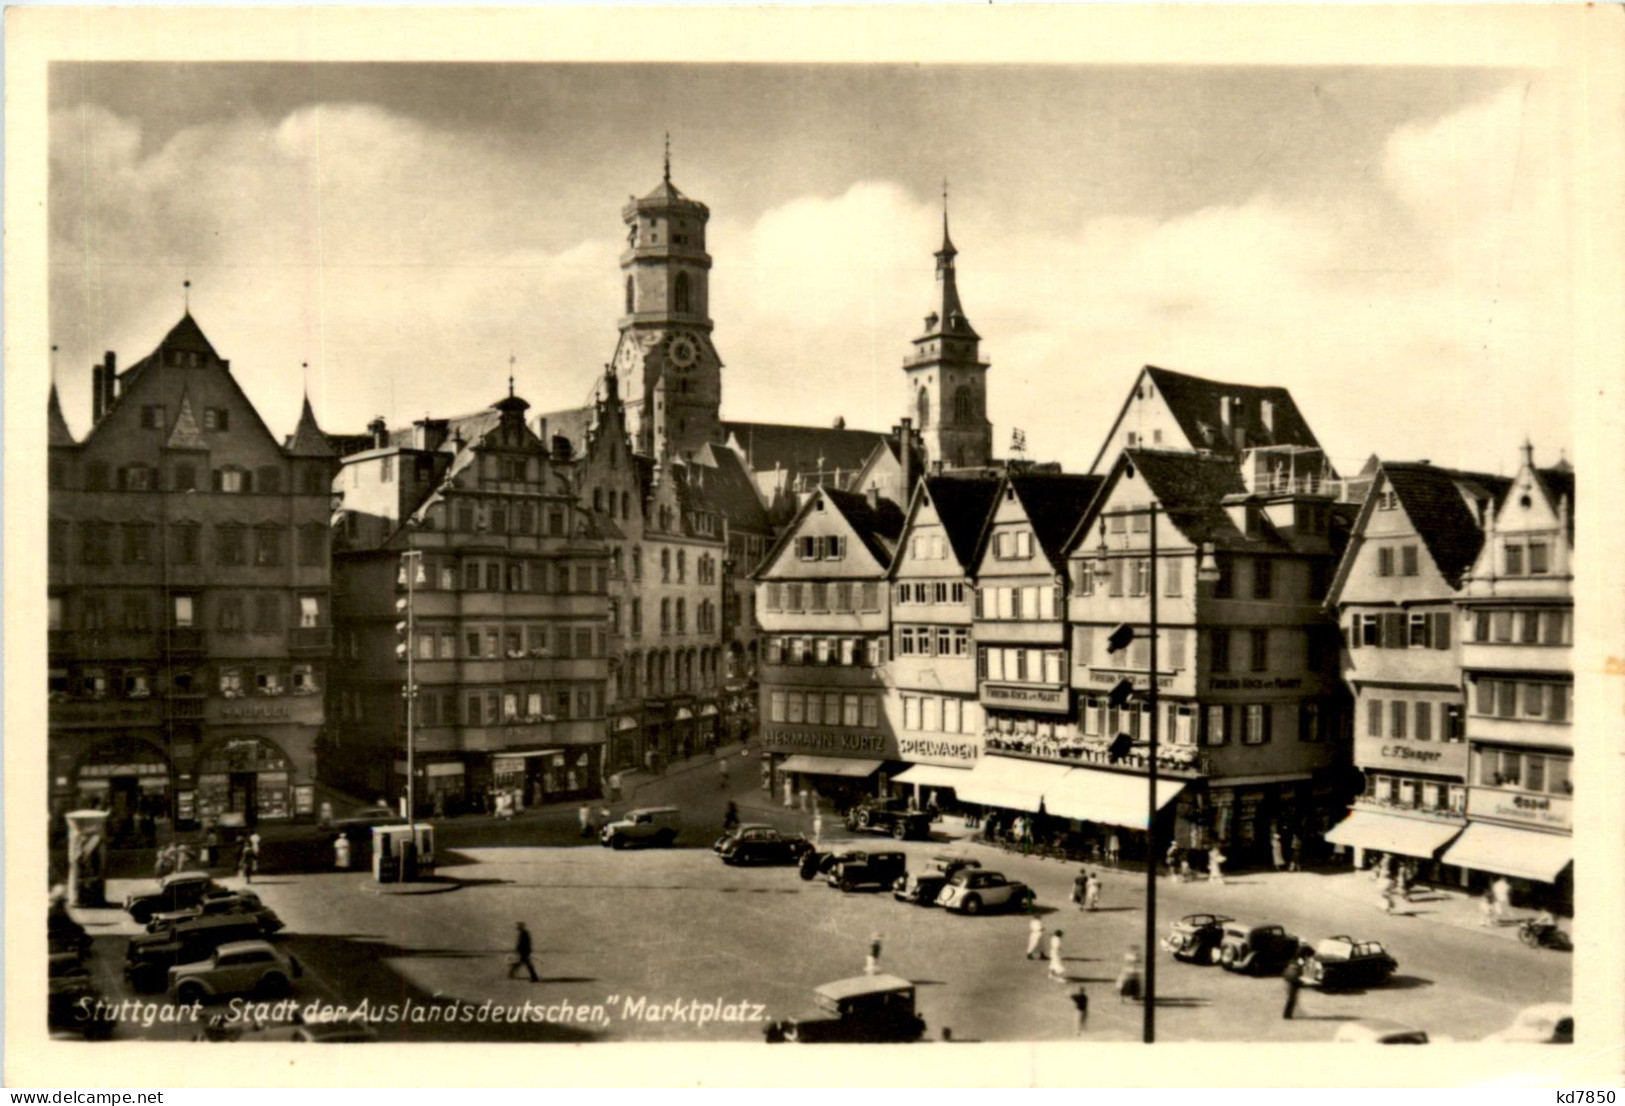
149,957
923,888
1342,963
738,831
176,892
815,864
1263,950
649,825
764,845
889,816
973,890
71,1010
1195,937
1548,1023
224,902
864,1009
235,968
1379,1031
867,869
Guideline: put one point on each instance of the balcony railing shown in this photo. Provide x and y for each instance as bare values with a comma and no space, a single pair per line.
310,639
184,707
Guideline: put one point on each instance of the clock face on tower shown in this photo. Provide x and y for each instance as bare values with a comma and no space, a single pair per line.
683,352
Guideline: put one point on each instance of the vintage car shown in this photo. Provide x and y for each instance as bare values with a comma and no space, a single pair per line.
1379,1031
225,902
867,869
176,892
235,968
889,816
973,890
864,1009
1195,938
737,831
1343,964
815,864
923,888
72,1007
1262,950
1548,1023
764,845
649,825
149,957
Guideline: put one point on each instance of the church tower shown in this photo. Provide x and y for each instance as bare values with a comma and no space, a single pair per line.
672,374
947,379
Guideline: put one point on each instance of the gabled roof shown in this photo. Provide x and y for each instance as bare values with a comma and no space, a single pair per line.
308,439
877,526
1558,484
721,473
184,337
1054,504
963,504
768,445
1191,489
58,434
1432,498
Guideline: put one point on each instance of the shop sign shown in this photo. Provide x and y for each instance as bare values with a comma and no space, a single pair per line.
304,799
303,708
780,739
507,766
1254,683
1445,758
1106,677
124,770
103,714
1022,697
185,806
940,749
1530,808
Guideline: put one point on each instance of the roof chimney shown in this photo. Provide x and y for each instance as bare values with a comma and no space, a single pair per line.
379,430
109,380
96,394
905,452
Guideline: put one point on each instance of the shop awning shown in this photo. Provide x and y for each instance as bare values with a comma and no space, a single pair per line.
446,768
934,775
1392,833
1506,850
1110,798
708,709
626,723
684,712
514,753
831,766
1010,783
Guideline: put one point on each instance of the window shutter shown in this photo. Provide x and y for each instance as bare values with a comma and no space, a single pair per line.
977,592
1351,636
1441,631
1393,630
981,663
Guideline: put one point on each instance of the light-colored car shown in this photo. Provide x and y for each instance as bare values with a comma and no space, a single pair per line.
649,825
972,890
237,968
1379,1031
1549,1023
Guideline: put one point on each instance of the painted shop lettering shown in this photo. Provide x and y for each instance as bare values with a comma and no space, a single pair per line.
850,742
913,746
1405,752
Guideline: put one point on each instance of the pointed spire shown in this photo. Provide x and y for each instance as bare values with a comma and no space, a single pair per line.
186,297
308,439
1528,452
947,243
59,433
667,176
511,360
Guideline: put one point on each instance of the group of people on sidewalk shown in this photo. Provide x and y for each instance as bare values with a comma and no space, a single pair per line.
177,856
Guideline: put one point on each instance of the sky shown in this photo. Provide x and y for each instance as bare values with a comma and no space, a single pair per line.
1392,244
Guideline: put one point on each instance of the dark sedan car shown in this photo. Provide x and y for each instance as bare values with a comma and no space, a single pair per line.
1195,938
1344,964
815,864
1262,950
867,869
865,1009
764,845
923,889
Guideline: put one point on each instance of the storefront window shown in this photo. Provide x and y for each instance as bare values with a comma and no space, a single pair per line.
795,707
849,712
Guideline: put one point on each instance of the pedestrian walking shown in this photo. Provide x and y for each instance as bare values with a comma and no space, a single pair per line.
520,957
1171,859
722,781
1294,852
1502,890
1080,1004
730,817
1080,888
1092,892
1112,847
767,775
818,829
245,863
1486,909
804,794
1130,981
1215,865
211,847
1035,939
789,792
1277,855
871,964
1057,967
1402,882
254,843
1386,895
584,816
1292,976
931,806
341,852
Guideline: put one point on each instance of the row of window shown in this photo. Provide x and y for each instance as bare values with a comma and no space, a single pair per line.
849,651
99,476
1020,604
527,574
453,707
1225,649
820,597
499,516
230,680
1538,772
233,545
1029,666
1520,699
562,642
1411,794
1523,627
1526,557
664,672
1013,545
932,641
813,708
1214,724
941,714
1399,630
1408,560
135,611
1129,576
1403,718
830,547
924,592
929,547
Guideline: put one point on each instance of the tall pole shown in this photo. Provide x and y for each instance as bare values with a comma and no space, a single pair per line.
1151,806
408,565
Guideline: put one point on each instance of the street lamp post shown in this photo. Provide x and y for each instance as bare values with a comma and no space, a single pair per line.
1206,572
411,574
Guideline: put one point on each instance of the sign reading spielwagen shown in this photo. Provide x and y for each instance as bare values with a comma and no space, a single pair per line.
940,749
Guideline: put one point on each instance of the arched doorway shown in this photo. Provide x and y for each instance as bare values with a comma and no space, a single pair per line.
128,778
248,777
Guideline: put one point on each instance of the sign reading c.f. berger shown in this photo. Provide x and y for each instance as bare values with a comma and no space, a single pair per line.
835,743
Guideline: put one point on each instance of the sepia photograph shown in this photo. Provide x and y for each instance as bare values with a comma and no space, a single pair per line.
776,550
